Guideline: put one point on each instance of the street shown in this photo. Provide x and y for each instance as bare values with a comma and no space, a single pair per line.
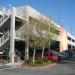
66,67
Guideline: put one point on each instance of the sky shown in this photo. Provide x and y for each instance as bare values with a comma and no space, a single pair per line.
60,11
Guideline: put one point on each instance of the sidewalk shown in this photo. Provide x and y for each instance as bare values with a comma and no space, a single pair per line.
2,66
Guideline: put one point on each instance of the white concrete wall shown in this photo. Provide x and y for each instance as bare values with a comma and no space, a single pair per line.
29,11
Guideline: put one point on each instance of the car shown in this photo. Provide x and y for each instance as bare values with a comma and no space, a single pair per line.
67,53
54,56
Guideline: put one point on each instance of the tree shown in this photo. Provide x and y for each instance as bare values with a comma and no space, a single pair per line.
48,31
26,33
38,34
34,41
51,31
44,33
43,43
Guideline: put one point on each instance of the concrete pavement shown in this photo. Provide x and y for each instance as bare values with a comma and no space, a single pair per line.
67,67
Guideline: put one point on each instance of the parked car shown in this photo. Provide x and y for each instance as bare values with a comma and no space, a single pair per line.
67,53
59,56
55,56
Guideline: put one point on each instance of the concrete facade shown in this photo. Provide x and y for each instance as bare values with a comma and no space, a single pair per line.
11,27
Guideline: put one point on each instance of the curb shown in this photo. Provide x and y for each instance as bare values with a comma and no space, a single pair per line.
47,66
1,64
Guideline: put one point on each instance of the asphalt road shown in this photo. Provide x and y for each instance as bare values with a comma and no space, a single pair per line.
65,68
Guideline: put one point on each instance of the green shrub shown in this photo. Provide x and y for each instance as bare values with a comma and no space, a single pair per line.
39,61
27,61
45,59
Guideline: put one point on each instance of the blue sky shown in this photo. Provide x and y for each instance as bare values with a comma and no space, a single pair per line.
61,11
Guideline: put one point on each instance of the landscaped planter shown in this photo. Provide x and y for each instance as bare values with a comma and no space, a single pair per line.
40,62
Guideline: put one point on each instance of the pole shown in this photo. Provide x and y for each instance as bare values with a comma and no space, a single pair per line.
12,36
49,37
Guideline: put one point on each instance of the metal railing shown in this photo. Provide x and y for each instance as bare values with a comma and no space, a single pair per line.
3,19
4,38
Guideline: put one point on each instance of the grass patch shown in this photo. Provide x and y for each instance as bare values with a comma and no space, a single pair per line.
39,62
36,64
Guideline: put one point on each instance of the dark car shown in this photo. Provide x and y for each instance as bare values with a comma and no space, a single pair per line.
67,53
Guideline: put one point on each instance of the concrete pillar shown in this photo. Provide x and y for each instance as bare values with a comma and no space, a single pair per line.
27,44
12,34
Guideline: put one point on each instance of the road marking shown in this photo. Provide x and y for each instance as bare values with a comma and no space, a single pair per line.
13,68
7,68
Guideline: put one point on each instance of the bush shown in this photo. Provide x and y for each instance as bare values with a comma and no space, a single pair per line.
39,61
45,59
27,61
